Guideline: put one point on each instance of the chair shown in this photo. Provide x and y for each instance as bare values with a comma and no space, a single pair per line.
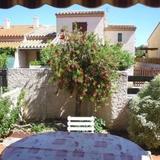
80,124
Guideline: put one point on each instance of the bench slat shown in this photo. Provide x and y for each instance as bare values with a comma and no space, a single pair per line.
81,118
80,123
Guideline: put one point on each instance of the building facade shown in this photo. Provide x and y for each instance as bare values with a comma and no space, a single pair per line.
123,35
95,21
89,21
154,43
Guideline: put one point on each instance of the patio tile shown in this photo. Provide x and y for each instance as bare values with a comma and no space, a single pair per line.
156,157
1,148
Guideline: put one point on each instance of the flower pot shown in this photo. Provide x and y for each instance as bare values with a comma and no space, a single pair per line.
35,66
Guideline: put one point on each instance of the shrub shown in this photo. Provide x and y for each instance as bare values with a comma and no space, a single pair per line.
126,60
37,128
100,125
43,127
8,51
46,55
8,116
35,62
3,60
140,54
123,58
4,54
144,122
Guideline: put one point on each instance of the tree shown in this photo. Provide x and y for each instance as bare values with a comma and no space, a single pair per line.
84,66
140,51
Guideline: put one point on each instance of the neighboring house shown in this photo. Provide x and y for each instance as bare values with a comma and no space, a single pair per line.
94,21
154,43
123,35
28,40
33,42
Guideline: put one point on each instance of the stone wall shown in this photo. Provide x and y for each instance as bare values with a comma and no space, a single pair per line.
18,78
41,101
115,112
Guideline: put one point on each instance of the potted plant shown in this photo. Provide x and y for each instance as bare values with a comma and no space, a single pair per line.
35,64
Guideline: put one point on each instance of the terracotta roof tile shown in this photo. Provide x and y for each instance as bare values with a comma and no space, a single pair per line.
10,44
30,44
42,31
68,13
15,30
120,27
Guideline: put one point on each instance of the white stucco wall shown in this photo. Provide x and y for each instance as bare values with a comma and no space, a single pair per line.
94,24
128,39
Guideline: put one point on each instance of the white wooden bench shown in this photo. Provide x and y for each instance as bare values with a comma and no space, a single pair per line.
82,124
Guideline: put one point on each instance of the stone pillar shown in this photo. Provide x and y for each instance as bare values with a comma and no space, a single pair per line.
115,111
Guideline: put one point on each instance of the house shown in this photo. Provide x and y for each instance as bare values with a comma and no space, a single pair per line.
123,35
28,40
87,21
94,21
154,43
33,42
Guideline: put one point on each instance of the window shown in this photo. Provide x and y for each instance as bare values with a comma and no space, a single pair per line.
119,37
82,26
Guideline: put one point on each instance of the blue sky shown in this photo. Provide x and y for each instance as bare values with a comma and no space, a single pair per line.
143,17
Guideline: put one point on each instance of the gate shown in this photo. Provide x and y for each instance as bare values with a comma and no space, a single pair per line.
137,80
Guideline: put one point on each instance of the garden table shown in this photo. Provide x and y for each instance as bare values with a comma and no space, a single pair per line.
74,146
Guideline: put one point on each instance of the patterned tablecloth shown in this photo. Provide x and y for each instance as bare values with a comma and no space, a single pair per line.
74,146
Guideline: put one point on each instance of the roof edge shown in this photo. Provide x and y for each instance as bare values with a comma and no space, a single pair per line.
153,31
120,27
69,13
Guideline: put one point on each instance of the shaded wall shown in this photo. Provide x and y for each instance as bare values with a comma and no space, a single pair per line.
41,101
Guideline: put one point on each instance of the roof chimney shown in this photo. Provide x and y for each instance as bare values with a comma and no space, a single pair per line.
7,24
35,22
